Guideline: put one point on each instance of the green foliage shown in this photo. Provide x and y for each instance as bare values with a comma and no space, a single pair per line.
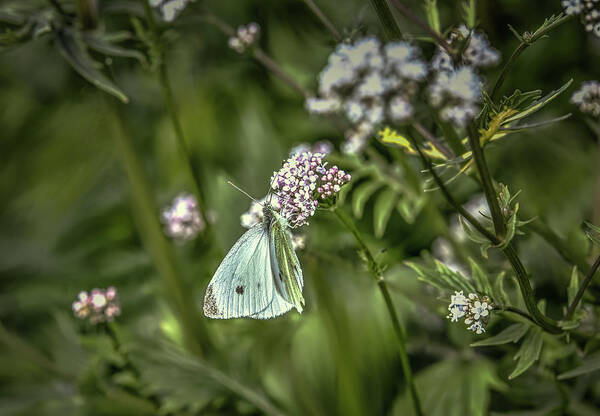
82,185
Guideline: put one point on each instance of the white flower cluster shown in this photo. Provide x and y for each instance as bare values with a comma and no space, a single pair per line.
97,306
478,53
456,94
369,82
588,11
169,9
587,98
456,90
475,310
245,37
181,219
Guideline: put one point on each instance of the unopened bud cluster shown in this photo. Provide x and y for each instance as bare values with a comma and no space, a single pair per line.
99,305
245,37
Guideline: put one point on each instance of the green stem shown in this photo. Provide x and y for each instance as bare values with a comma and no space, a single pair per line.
376,272
258,54
410,15
516,311
526,41
509,251
169,101
386,18
582,288
326,22
147,219
486,181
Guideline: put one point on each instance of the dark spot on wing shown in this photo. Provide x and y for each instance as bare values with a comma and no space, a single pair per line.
210,304
258,285
280,277
239,290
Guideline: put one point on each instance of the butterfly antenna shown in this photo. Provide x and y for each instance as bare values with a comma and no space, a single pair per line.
242,191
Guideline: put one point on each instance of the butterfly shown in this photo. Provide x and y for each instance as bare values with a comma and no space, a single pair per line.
260,277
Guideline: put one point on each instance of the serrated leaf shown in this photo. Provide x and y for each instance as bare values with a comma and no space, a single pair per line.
529,352
383,208
361,195
573,285
523,127
482,282
76,55
589,364
437,274
511,334
538,104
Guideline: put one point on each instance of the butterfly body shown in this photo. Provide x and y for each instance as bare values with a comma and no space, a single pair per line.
260,277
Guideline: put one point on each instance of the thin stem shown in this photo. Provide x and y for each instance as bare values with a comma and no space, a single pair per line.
258,54
516,311
377,274
326,22
526,41
486,181
407,11
169,100
386,19
509,251
438,144
582,288
146,217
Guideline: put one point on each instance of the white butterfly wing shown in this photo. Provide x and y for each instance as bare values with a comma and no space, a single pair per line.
242,286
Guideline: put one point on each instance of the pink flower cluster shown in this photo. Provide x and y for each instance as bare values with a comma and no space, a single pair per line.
301,181
182,219
332,181
100,305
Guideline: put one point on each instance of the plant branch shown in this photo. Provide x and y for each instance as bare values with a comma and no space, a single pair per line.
517,311
486,181
146,218
386,18
258,54
525,41
430,137
407,11
376,272
582,288
169,101
509,251
326,22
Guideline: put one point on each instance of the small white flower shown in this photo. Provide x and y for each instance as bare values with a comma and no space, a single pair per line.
182,219
587,98
478,53
477,327
572,6
400,109
456,93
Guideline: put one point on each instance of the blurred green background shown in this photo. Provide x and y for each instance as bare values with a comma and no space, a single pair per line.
69,223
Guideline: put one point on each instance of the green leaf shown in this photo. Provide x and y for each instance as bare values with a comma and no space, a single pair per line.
101,43
482,282
361,195
76,55
511,334
529,352
589,364
592,232
573,285
384,206
538,104
499,293
439,275
409,207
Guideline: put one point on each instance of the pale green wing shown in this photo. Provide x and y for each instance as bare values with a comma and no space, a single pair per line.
243,286
286,266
